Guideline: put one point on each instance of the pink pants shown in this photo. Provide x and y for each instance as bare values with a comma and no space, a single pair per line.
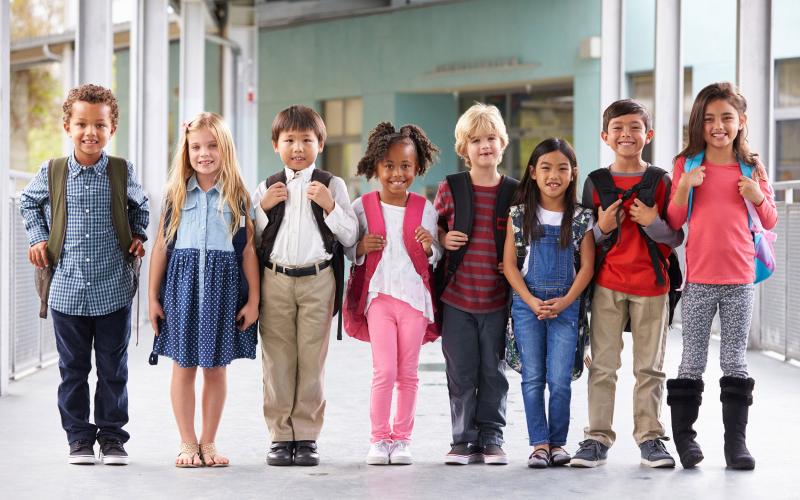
395,331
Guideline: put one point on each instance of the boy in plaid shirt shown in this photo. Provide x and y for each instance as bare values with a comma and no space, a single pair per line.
93,284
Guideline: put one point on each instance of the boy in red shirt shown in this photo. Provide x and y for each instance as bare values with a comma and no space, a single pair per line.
631,283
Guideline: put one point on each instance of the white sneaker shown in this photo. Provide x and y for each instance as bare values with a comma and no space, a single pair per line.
379,453
400,453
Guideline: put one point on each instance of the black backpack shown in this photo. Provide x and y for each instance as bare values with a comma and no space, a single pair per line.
464,214
645,190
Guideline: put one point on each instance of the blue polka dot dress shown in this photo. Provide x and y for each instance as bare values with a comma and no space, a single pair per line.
200,293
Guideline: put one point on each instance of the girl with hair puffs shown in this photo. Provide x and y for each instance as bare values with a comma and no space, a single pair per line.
389,301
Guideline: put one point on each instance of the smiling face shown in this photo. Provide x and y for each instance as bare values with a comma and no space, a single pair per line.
298,149
204,155
627,135
397,170
721,124
90,128
485,150
552,173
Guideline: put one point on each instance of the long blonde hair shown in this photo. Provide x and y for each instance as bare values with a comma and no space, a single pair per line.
234,193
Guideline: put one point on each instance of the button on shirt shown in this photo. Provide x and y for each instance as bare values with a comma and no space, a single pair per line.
92,278
204,224
299,242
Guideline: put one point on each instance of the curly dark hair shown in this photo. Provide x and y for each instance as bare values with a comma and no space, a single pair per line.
381,139
93,94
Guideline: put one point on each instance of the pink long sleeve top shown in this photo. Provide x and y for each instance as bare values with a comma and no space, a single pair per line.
719,246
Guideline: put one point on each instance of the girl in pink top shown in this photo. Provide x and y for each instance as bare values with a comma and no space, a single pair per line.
389,301
720,266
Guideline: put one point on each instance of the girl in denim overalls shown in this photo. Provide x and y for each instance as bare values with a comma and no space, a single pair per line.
544,307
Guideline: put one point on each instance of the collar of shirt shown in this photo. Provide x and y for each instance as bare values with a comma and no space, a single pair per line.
192,184
304,175
76,168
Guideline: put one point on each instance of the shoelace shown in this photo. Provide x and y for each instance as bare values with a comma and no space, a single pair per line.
658,443
590,444
112,445
77,445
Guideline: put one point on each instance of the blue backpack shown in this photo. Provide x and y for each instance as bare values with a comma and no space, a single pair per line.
763,239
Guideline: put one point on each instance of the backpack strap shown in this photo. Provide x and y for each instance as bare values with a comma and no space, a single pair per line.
57,187
505,194
517,215
117,171
461,190
603,183
692,162
415,207
275,216
328,238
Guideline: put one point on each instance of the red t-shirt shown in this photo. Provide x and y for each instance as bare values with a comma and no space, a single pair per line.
477,286
627,267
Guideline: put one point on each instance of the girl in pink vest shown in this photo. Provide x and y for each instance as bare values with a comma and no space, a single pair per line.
389,301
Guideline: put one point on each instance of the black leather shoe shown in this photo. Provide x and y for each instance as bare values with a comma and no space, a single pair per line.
280,453
305,453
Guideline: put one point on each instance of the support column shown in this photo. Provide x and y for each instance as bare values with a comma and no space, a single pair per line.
668,79
193,55
612,67
755,73
94,43
755,76
149,141
243,31
5,197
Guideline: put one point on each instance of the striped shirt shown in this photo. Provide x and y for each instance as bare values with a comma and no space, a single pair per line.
477,286
92,278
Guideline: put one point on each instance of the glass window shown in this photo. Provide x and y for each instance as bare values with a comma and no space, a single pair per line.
344,123
787,123
36,18
787,83
787,148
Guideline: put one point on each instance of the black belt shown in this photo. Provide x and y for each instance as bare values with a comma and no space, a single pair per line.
298,272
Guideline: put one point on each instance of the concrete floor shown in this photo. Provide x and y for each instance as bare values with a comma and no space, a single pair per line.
33,448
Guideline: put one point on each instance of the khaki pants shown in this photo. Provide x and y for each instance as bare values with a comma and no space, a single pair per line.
295,324
648,315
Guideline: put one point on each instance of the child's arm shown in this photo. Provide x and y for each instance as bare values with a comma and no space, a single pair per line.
443,203
650,217
341,220
260,219
355,253
609,216
31,207
552,307
158,267
138,213
512,273
249,313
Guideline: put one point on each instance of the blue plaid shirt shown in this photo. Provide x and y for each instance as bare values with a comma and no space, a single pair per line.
92,278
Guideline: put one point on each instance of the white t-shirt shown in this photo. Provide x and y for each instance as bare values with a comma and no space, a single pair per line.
549,218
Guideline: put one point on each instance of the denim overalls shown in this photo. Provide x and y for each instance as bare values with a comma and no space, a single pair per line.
547,347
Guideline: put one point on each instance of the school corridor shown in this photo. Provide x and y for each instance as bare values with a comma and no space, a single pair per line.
33,452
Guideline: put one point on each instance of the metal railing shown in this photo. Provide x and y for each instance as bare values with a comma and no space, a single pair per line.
32,342
776,325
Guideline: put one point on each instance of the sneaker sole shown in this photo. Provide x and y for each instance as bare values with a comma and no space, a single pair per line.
586,464
490,460
113,460
401,461
664,463
377,460
82,460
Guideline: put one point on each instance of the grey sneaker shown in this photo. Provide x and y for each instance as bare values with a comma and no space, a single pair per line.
81,452
112,452
591,454
463,454
654,453
493,454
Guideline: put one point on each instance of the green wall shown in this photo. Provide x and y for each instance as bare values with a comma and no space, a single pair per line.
391,61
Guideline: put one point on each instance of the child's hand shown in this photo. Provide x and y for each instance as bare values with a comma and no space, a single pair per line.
607,219
370,243
37,254
454,240
425,238
321,195
694,178
750,190
137,247
247,316
642,214
275,194
552,307
156,312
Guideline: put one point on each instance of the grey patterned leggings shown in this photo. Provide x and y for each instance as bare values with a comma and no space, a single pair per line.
699,304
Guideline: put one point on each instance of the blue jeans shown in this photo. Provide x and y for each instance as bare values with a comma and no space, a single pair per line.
547,350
